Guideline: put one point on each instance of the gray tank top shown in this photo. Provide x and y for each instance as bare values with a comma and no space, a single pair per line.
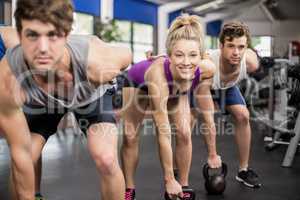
84,92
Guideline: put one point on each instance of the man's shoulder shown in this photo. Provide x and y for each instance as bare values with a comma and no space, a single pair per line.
107,53
4,65
10,89
6,74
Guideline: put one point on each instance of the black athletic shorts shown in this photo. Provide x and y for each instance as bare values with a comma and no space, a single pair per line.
44,121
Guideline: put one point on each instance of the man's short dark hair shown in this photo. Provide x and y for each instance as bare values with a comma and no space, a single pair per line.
233,30
56,12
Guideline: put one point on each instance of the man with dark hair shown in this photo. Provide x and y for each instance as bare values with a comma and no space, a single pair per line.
233,61
49,74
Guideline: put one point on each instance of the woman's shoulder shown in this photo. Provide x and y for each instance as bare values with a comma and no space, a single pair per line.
156,70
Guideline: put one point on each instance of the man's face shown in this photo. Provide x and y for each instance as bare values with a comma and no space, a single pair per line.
42,45
185,56
233,51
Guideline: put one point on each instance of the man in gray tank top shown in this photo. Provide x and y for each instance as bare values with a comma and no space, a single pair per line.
49,74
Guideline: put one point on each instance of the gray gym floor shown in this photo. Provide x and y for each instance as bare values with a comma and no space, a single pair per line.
70,174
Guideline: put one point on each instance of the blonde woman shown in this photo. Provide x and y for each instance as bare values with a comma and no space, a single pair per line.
164,84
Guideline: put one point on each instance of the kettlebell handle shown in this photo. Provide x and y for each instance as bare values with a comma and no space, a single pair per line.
206,168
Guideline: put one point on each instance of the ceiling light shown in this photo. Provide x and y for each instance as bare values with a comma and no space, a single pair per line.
212,4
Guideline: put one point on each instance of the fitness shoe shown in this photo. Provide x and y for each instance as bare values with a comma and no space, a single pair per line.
130,194
38,196
248,178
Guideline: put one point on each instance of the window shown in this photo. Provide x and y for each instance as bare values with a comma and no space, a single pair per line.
138,37
142,40
263,45
211,42
83,24
125,29
5,12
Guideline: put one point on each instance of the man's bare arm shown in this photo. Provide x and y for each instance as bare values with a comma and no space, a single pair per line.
251,61
105,61
16,132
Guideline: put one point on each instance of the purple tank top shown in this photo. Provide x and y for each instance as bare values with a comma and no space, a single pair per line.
137,74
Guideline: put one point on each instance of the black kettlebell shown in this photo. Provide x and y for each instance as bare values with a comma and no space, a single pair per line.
215,184
192,195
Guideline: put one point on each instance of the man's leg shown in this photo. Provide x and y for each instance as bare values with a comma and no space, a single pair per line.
235,105
102,133
103,147
240,115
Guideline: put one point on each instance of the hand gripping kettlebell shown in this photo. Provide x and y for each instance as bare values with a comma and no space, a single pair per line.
215,184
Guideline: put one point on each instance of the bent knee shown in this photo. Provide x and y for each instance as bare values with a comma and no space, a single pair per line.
106,164
183,136
242,117
130,140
